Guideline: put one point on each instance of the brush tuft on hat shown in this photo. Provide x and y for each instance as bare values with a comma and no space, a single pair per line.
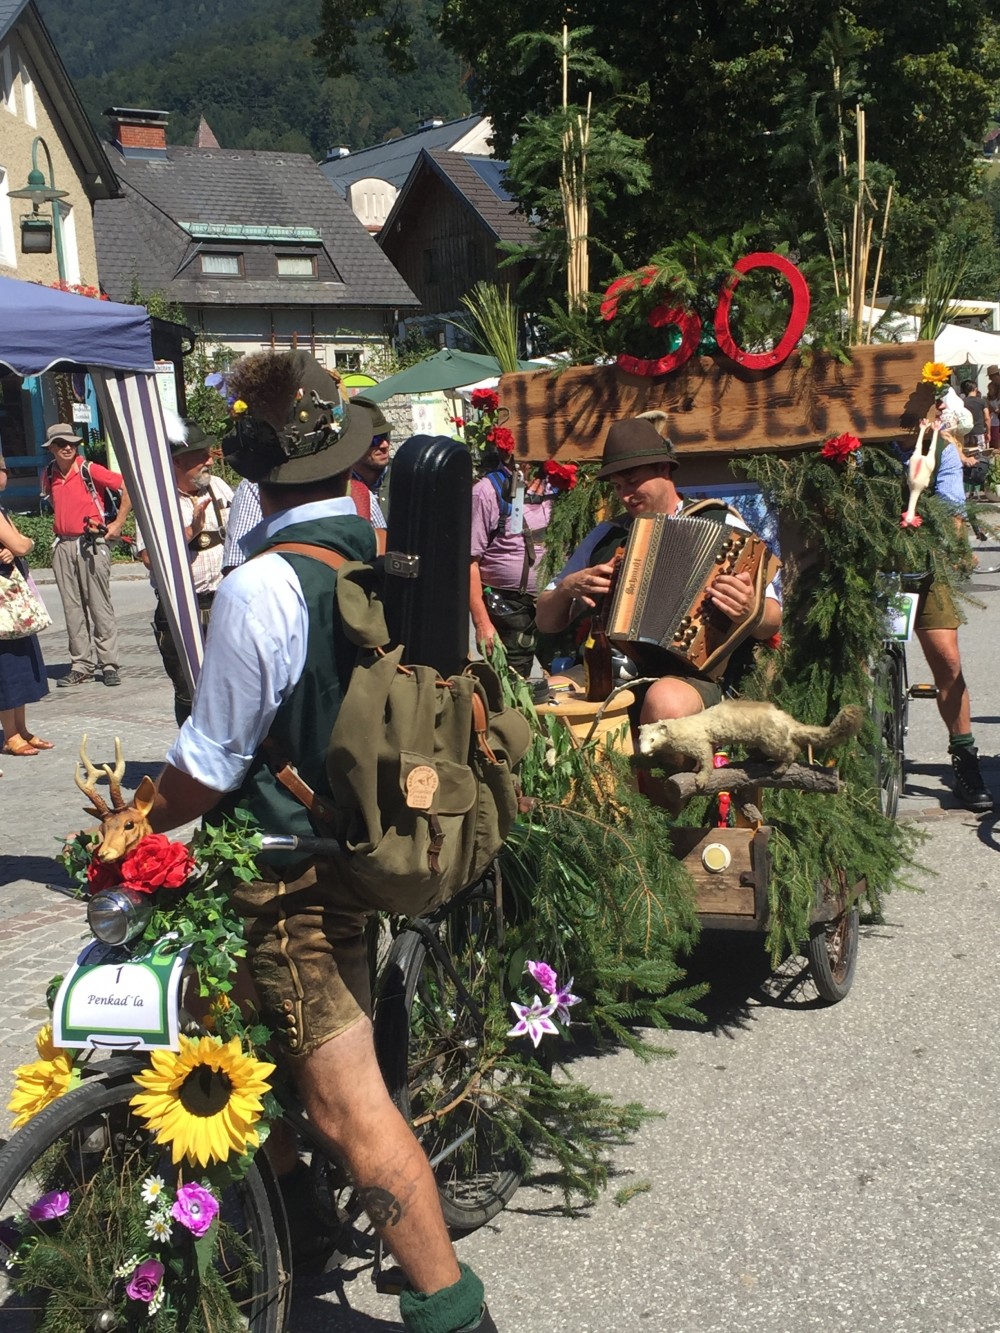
267,382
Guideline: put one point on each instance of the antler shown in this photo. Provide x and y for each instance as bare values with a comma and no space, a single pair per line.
100,806
115,776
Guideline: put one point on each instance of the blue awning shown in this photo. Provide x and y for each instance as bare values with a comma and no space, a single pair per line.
41,327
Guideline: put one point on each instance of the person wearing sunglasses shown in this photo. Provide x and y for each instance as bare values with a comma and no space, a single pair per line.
368,475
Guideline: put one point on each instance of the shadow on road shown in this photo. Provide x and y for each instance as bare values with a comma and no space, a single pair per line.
43,870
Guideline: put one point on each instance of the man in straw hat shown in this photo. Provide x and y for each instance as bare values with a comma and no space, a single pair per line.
277,663
205,502
640,463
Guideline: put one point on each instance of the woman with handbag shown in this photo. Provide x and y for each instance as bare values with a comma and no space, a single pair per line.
22,671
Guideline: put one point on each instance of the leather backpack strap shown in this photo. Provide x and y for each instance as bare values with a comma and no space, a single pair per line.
282,768
332,558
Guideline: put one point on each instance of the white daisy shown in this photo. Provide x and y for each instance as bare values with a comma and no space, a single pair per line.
158,1226
157,1301
152,1188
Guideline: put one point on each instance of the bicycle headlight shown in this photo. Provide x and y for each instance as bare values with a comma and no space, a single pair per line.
116,916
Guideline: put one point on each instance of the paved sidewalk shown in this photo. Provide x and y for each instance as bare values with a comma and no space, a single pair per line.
40,926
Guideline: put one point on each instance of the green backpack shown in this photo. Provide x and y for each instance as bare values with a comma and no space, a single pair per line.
421,769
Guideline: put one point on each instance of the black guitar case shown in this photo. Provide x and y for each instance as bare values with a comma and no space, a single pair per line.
427,552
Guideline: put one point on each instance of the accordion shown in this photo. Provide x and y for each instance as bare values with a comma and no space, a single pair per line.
659,599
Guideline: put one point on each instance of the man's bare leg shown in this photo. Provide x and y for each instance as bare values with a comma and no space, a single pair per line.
345,1096
667,698
945,661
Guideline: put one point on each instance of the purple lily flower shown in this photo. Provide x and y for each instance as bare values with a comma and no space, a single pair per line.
145,1281
562,999
533,1020
195,1208
50,1207
546,976
215,381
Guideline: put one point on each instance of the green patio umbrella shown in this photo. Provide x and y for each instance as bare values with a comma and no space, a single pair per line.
446,369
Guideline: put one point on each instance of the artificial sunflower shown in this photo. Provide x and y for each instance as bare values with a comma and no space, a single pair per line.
203,1099
45,1079
935,372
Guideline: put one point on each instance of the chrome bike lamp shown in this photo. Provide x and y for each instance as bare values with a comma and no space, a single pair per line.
116,916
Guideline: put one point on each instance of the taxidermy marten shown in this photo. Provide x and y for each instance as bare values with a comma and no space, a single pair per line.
758,726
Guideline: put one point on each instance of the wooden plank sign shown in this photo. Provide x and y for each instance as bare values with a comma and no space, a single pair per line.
716,407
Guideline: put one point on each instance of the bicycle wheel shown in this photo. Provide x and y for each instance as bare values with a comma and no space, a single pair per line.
431,1034
833,955
888,714
90,1144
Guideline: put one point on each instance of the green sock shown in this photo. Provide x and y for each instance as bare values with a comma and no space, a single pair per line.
446,1311
962,740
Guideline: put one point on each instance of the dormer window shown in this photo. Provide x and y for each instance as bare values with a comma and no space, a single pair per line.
296,266
221,265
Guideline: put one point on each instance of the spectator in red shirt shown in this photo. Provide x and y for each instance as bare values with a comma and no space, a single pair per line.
81,560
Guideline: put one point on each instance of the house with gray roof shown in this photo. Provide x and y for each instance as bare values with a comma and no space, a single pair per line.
371,178
256,247
445,230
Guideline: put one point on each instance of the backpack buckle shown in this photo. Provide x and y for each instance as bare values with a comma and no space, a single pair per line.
401,565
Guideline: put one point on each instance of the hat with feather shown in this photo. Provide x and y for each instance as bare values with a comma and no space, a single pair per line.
292,421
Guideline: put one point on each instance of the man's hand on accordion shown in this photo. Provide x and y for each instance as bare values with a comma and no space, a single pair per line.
733,594
589,585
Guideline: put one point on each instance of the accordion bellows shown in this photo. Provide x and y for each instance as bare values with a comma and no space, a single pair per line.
660,595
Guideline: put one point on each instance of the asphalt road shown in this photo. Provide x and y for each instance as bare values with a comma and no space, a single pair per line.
811,1168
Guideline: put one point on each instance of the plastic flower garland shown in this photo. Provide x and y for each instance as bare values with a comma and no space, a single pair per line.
151,1280
535,1020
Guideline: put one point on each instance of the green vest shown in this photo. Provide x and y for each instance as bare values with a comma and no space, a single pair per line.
304,720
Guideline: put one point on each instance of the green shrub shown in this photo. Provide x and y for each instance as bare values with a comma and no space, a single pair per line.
39,528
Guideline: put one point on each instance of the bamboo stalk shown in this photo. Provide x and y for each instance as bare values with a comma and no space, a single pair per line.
878,262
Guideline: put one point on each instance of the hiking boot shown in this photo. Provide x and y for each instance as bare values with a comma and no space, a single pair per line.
969,780
74,678
485,1325
111,676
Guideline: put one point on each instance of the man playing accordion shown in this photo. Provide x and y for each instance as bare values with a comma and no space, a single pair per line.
640,463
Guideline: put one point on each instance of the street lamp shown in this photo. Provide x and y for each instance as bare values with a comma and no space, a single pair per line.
37,231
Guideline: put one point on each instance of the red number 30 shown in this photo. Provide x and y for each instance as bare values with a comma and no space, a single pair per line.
689,322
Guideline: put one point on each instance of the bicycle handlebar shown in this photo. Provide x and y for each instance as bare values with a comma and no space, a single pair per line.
289,842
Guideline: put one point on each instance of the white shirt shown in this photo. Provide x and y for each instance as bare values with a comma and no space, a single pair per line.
206,566
254,657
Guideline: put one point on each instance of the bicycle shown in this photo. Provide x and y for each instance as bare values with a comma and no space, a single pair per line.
433,992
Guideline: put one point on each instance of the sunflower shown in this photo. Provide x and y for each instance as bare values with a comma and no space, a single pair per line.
935,372
45,1079
203,1099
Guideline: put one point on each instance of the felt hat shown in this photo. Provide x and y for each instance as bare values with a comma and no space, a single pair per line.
635,442
293,422
188,439
59,432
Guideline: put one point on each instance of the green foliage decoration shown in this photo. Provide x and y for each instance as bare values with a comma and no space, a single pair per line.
82,1261
843,520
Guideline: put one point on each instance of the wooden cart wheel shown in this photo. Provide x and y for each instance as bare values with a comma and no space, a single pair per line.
833,954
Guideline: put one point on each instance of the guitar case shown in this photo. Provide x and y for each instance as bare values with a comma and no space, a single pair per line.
428,544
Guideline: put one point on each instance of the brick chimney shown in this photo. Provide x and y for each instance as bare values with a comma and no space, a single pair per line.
136,132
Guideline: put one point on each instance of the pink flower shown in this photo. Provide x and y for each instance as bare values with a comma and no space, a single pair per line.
49,1206
145,1281
195,1208
546,976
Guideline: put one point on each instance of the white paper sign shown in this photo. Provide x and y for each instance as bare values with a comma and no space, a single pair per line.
111,1003
903,616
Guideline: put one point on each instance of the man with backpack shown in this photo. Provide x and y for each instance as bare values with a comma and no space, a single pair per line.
277,665
85,519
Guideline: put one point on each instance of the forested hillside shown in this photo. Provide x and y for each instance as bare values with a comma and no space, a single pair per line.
248,67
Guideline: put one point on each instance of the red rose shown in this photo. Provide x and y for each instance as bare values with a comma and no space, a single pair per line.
485,400
501,438
840,447
562,475
156,863
103,875
457,421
